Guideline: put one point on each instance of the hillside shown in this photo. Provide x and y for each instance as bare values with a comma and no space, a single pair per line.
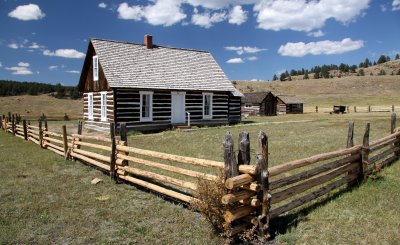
30,106
349,90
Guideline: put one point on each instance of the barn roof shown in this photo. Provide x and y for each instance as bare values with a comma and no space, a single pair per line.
290,99
255,98
131,65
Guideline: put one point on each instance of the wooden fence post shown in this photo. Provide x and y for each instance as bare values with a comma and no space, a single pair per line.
46,128
369,108
2,122
316,109
124,138
365,154
350,143
79,131
40,134
244,148
25,129
123,133
355,108
113,152
262,178
65,141
13,124
393,123
231,167
392,108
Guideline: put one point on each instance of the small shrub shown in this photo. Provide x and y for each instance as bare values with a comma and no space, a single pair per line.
382,73
209,194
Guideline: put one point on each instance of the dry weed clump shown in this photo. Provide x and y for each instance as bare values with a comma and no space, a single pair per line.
209,194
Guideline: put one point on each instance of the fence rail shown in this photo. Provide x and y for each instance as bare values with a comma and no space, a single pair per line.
354,109
257,193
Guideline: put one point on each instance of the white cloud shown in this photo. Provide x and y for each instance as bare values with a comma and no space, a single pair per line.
207,19
13,45
237,16
102,5
27,12
74,72
302,15
242,50
21,69
23,64
1,64
395,5
162,12
65,53
53,68
383,8
129,13
235,61
327,47
219,4
35,46
252,58
318,33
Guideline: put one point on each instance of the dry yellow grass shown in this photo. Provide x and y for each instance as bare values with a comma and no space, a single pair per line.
350,91
32,107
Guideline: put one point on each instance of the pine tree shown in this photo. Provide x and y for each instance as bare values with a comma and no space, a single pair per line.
397,57
306,75
382,59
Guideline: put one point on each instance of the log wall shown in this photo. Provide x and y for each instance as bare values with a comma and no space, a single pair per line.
96,123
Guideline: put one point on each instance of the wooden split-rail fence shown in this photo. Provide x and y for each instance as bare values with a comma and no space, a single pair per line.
257,193
355,109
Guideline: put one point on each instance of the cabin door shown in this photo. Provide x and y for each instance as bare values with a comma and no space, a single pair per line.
178,107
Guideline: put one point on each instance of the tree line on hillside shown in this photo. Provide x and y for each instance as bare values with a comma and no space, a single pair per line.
13,88
324,70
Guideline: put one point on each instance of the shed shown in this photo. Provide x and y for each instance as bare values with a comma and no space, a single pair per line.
259,103
289,104
152,87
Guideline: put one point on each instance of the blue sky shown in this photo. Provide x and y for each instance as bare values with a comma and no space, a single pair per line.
46,41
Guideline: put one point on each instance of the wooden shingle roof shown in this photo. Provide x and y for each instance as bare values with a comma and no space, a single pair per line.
290,99
130,65
254,98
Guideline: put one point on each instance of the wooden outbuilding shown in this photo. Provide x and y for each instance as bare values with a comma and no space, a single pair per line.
152,87
289,104
259,103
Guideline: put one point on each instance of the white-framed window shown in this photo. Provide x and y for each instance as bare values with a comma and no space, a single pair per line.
95,68
90,106
146,106
207,105
248,105
103,106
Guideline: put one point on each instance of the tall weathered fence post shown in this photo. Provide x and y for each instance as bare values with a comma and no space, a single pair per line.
113,174
350,143
316,109
124,137
231,167
244,149
13,124
40,134
264,195
355,108
393,123
79,131
392,108
25,129
365,154
369,108
65,141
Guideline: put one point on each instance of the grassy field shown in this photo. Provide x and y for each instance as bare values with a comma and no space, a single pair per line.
31,107
350,91
45,199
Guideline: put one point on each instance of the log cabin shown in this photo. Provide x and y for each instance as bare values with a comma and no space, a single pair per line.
151,87
289,104
259,103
